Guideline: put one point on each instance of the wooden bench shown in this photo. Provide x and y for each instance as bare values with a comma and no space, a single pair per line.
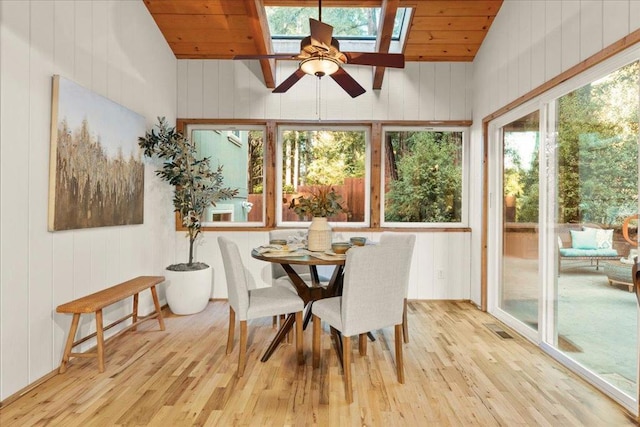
95,302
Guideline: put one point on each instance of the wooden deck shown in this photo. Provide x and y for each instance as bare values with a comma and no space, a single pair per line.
458,372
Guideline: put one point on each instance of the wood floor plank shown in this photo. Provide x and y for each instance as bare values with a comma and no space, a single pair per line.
457,372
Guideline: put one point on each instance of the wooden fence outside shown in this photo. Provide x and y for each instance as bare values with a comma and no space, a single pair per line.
352,193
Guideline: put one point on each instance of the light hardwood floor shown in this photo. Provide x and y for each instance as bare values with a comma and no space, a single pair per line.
458,372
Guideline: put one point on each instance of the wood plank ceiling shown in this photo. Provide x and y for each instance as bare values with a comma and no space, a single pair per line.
440,30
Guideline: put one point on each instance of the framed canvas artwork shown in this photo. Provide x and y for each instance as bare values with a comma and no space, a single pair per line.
96,172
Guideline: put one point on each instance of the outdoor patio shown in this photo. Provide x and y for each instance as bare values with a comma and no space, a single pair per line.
597,322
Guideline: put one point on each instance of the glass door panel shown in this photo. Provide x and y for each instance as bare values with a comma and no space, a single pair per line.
519,293
596,189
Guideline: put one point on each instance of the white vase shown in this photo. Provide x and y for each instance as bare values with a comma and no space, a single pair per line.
188,292
319,237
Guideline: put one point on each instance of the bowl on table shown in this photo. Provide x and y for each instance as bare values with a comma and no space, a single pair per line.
358,241
340,248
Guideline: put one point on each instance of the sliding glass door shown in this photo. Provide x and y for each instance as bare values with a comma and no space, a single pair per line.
596,155
519,293
567,179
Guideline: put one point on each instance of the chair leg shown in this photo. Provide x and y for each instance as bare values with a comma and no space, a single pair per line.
232,327
405,325
316,341
362,344
242,356
399,359
299,338
346,367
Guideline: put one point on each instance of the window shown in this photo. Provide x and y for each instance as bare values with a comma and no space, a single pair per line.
240,152
418,178
312,158
356,28
423,179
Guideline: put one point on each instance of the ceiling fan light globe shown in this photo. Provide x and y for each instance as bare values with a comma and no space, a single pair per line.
319,66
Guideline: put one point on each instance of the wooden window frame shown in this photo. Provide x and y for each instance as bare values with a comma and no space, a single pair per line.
270,147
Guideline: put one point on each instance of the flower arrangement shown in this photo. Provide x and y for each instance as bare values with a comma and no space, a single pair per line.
197,186
322,202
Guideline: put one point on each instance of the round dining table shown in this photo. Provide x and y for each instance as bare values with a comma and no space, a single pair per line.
308,292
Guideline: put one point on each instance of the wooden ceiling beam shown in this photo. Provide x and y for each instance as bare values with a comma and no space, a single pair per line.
262,39
388,11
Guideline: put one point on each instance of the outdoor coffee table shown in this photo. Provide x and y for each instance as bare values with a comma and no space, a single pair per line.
619,273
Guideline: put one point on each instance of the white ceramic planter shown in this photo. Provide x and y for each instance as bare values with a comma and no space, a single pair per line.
188,292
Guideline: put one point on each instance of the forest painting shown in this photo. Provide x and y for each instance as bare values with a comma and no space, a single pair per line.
96,173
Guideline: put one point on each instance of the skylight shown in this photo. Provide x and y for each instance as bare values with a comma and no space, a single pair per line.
350,24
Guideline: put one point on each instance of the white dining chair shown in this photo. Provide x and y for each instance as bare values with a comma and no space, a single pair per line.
372,298
404,243
249,304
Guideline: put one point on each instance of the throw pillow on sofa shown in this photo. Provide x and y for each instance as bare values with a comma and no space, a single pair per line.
604,238
585,239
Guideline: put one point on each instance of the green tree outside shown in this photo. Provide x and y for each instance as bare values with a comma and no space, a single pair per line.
597,152
428,187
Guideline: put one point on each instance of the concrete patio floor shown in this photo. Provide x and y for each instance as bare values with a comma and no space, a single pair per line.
597,323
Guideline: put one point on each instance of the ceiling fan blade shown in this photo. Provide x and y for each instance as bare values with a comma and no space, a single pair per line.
276,56
290,81
394,60
348,83
321,34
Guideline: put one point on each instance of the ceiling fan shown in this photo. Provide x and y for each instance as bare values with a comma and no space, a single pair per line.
320,56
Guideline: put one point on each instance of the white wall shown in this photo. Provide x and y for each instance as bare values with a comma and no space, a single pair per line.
422,91
236,90
439,269
529,43
113,48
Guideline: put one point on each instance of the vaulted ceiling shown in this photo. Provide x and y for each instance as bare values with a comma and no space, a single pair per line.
440,30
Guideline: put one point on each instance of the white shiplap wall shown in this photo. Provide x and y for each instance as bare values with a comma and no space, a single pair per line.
439,270
529,43
235,90
422,91
113,48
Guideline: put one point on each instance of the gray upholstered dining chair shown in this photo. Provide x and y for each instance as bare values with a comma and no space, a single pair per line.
404,243
249,304
372,298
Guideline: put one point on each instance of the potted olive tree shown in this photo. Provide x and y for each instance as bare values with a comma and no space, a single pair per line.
323,202
196,187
